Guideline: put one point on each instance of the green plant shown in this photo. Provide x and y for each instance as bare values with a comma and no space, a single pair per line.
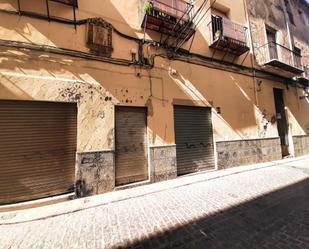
161,14
218,33
148,6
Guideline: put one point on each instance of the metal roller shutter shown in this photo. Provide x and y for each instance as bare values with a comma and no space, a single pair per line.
131,145
194,139
37,149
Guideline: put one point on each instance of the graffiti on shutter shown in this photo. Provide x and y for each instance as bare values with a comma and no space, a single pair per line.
99,38
67,2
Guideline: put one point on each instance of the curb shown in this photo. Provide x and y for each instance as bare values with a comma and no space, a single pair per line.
78,205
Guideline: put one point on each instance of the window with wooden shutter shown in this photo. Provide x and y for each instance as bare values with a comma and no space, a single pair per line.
99,38
67,2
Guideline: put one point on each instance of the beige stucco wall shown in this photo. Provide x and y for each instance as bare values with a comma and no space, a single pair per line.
300,31
98,86
124,15
80,81
272,13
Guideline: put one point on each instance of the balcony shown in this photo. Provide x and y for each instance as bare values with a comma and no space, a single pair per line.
304,78
169,17
228,36
276,56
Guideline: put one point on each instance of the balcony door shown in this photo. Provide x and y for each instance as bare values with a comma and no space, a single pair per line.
297,57
282,124
272,45
217,27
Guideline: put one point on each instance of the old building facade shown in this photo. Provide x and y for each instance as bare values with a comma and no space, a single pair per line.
101,95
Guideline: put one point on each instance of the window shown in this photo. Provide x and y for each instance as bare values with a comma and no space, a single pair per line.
217,22
303,18
217,27
291,17
297,50
289,11
297,57
272,45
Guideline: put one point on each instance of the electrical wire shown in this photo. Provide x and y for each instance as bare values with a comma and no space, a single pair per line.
119,61
199,10
63,51
196,25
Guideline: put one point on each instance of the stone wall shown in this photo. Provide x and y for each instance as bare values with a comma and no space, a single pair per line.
243,152
95,173
301,145
163,163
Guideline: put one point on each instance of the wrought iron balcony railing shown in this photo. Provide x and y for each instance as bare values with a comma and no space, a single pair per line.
226,35
279,56
304,78
170,17
174,9
306,72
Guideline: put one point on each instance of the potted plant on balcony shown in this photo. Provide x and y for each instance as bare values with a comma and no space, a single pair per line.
217,34
148,7
163,15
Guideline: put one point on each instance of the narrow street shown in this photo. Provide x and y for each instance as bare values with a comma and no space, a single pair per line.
261,206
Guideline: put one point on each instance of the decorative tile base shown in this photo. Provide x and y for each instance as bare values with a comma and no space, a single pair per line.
95,173
301,145
163,163
243,152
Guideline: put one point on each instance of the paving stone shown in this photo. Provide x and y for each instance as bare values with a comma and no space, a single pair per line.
263,208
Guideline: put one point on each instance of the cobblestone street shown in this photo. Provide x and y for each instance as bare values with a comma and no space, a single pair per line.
261,207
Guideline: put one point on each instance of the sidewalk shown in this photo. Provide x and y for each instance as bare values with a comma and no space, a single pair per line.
251,203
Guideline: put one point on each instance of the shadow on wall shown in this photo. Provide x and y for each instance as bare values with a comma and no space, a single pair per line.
230,94
276,220
238,108
271,13
34,30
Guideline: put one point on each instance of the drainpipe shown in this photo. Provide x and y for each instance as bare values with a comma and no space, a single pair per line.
291,148
140,53
291,40
253,65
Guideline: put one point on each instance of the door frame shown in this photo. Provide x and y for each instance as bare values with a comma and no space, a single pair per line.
286,139
270,30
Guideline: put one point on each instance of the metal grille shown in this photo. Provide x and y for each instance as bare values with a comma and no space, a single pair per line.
37,149
194,139
131,145
224,27
175,8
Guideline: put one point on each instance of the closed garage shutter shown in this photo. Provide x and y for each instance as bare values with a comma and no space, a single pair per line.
131,145
194,139
37,149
